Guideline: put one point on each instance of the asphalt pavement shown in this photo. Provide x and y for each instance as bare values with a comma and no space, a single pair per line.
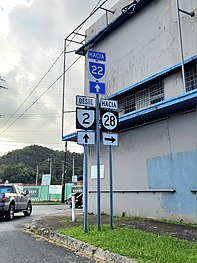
19,246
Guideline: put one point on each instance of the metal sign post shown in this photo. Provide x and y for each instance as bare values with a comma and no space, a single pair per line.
111,188
98,163
97,76
85,119
85,138
85,188
109,123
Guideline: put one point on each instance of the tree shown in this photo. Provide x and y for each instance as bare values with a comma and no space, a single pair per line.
17,173
21,165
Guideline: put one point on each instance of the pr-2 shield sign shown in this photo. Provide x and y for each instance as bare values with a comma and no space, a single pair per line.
85,118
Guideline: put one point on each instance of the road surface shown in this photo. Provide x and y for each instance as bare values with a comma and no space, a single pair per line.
18,246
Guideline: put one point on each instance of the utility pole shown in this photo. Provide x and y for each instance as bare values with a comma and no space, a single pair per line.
36,175
64,173
50,166
2,87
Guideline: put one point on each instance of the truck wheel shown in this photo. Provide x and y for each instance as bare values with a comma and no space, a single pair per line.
29,210
10,213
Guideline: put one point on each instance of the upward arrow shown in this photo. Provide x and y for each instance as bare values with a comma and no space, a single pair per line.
97,88
86,137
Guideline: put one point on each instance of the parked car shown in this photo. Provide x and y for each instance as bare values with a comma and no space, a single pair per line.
14,199
78,200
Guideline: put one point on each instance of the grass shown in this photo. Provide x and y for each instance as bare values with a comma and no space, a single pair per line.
142,246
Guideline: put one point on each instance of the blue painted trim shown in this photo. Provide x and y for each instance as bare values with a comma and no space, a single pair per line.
70,137
159,74
163,105
161,108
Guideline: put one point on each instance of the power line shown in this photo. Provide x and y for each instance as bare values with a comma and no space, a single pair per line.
34,88
39,114
53,64
36,117
19,83
31,142
41,95
36,131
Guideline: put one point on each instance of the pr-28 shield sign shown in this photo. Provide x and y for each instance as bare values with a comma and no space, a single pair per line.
85,118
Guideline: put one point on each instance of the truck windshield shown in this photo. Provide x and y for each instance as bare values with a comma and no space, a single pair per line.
6,189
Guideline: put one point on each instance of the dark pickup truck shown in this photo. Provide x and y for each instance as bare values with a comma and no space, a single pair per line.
14,199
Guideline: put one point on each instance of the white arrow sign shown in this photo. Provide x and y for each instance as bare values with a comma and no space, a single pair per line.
97,88
85,137
110,139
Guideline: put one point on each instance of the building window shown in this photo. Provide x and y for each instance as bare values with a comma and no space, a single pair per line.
191,76
143,98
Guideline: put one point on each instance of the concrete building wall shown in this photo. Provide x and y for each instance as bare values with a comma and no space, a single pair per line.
161,155
173,85
147,44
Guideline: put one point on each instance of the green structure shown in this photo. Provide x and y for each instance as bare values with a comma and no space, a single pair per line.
42,192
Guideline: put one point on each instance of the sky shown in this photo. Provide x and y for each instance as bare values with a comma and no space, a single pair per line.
32,34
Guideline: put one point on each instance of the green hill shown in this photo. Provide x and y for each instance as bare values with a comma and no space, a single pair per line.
21,165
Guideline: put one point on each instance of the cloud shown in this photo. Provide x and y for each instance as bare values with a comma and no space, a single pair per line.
31,39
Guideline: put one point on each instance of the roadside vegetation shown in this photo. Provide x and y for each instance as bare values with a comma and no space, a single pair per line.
20,166
142,246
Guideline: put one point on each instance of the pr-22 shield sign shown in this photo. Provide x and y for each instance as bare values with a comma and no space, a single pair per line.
97,71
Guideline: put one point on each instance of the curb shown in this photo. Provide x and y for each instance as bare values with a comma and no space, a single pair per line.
77,245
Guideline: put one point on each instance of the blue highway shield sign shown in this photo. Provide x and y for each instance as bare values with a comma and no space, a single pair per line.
97,71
